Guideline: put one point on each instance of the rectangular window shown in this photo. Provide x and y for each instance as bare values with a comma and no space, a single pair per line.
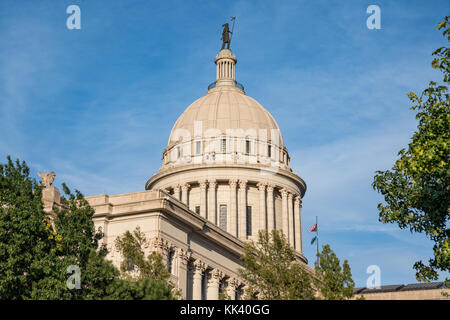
269,151
247,146
170,262
198,147
223,146
197,209
249,221
223,217
178,152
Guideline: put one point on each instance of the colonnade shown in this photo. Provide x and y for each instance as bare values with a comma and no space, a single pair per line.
264,213
181,262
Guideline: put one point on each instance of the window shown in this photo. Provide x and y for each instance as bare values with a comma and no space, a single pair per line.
269,151
247,146
198,147
223,217
249,221
178,152
170,261
197,209
223,146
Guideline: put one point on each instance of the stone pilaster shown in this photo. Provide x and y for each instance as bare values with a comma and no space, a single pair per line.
291,219
232,216
213,284
203,186
199,269
212,211
298,224
232,285
162,247
242,216
176,192
262,207
270,209
185,193
182,257
284,205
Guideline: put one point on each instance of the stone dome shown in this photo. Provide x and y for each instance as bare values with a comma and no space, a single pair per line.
224,108
225,125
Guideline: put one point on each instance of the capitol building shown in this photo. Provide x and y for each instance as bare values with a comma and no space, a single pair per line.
225,175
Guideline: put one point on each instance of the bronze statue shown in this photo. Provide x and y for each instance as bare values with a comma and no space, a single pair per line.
225,36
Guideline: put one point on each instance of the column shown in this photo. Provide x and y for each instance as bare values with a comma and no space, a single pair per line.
291,219
298,224
270,209
212,213
284,211
182,257
242,217
199,268
184,193
232,285
203,198
162,247
232,216
213,284
176,192
262,206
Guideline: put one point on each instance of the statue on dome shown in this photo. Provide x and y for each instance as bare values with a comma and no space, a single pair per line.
226,38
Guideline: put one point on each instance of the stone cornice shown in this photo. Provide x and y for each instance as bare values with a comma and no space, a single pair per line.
192,167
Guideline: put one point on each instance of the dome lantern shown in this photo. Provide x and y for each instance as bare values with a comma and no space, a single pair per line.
225,68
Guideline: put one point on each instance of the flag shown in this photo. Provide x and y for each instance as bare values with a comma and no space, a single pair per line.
313,240
313,228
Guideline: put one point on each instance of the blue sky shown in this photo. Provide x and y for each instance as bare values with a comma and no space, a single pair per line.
96,105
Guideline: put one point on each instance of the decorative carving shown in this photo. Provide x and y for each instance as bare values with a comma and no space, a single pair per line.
199,266
243,184
233,183
270,188
212,184
215,276
183,255
284,192
203,184
161,245
185,187
261,186
47,178
233,283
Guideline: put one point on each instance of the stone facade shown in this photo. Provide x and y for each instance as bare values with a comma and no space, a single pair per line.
225,175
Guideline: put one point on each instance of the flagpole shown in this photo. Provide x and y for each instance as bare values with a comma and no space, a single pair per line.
317,239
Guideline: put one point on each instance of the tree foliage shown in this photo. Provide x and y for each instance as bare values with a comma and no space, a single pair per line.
416,189
35,256
272,272
147,275
333,281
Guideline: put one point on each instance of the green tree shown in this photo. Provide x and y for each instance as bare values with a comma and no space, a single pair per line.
34,256
416,189
333,281
27,244
147,276
271,270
